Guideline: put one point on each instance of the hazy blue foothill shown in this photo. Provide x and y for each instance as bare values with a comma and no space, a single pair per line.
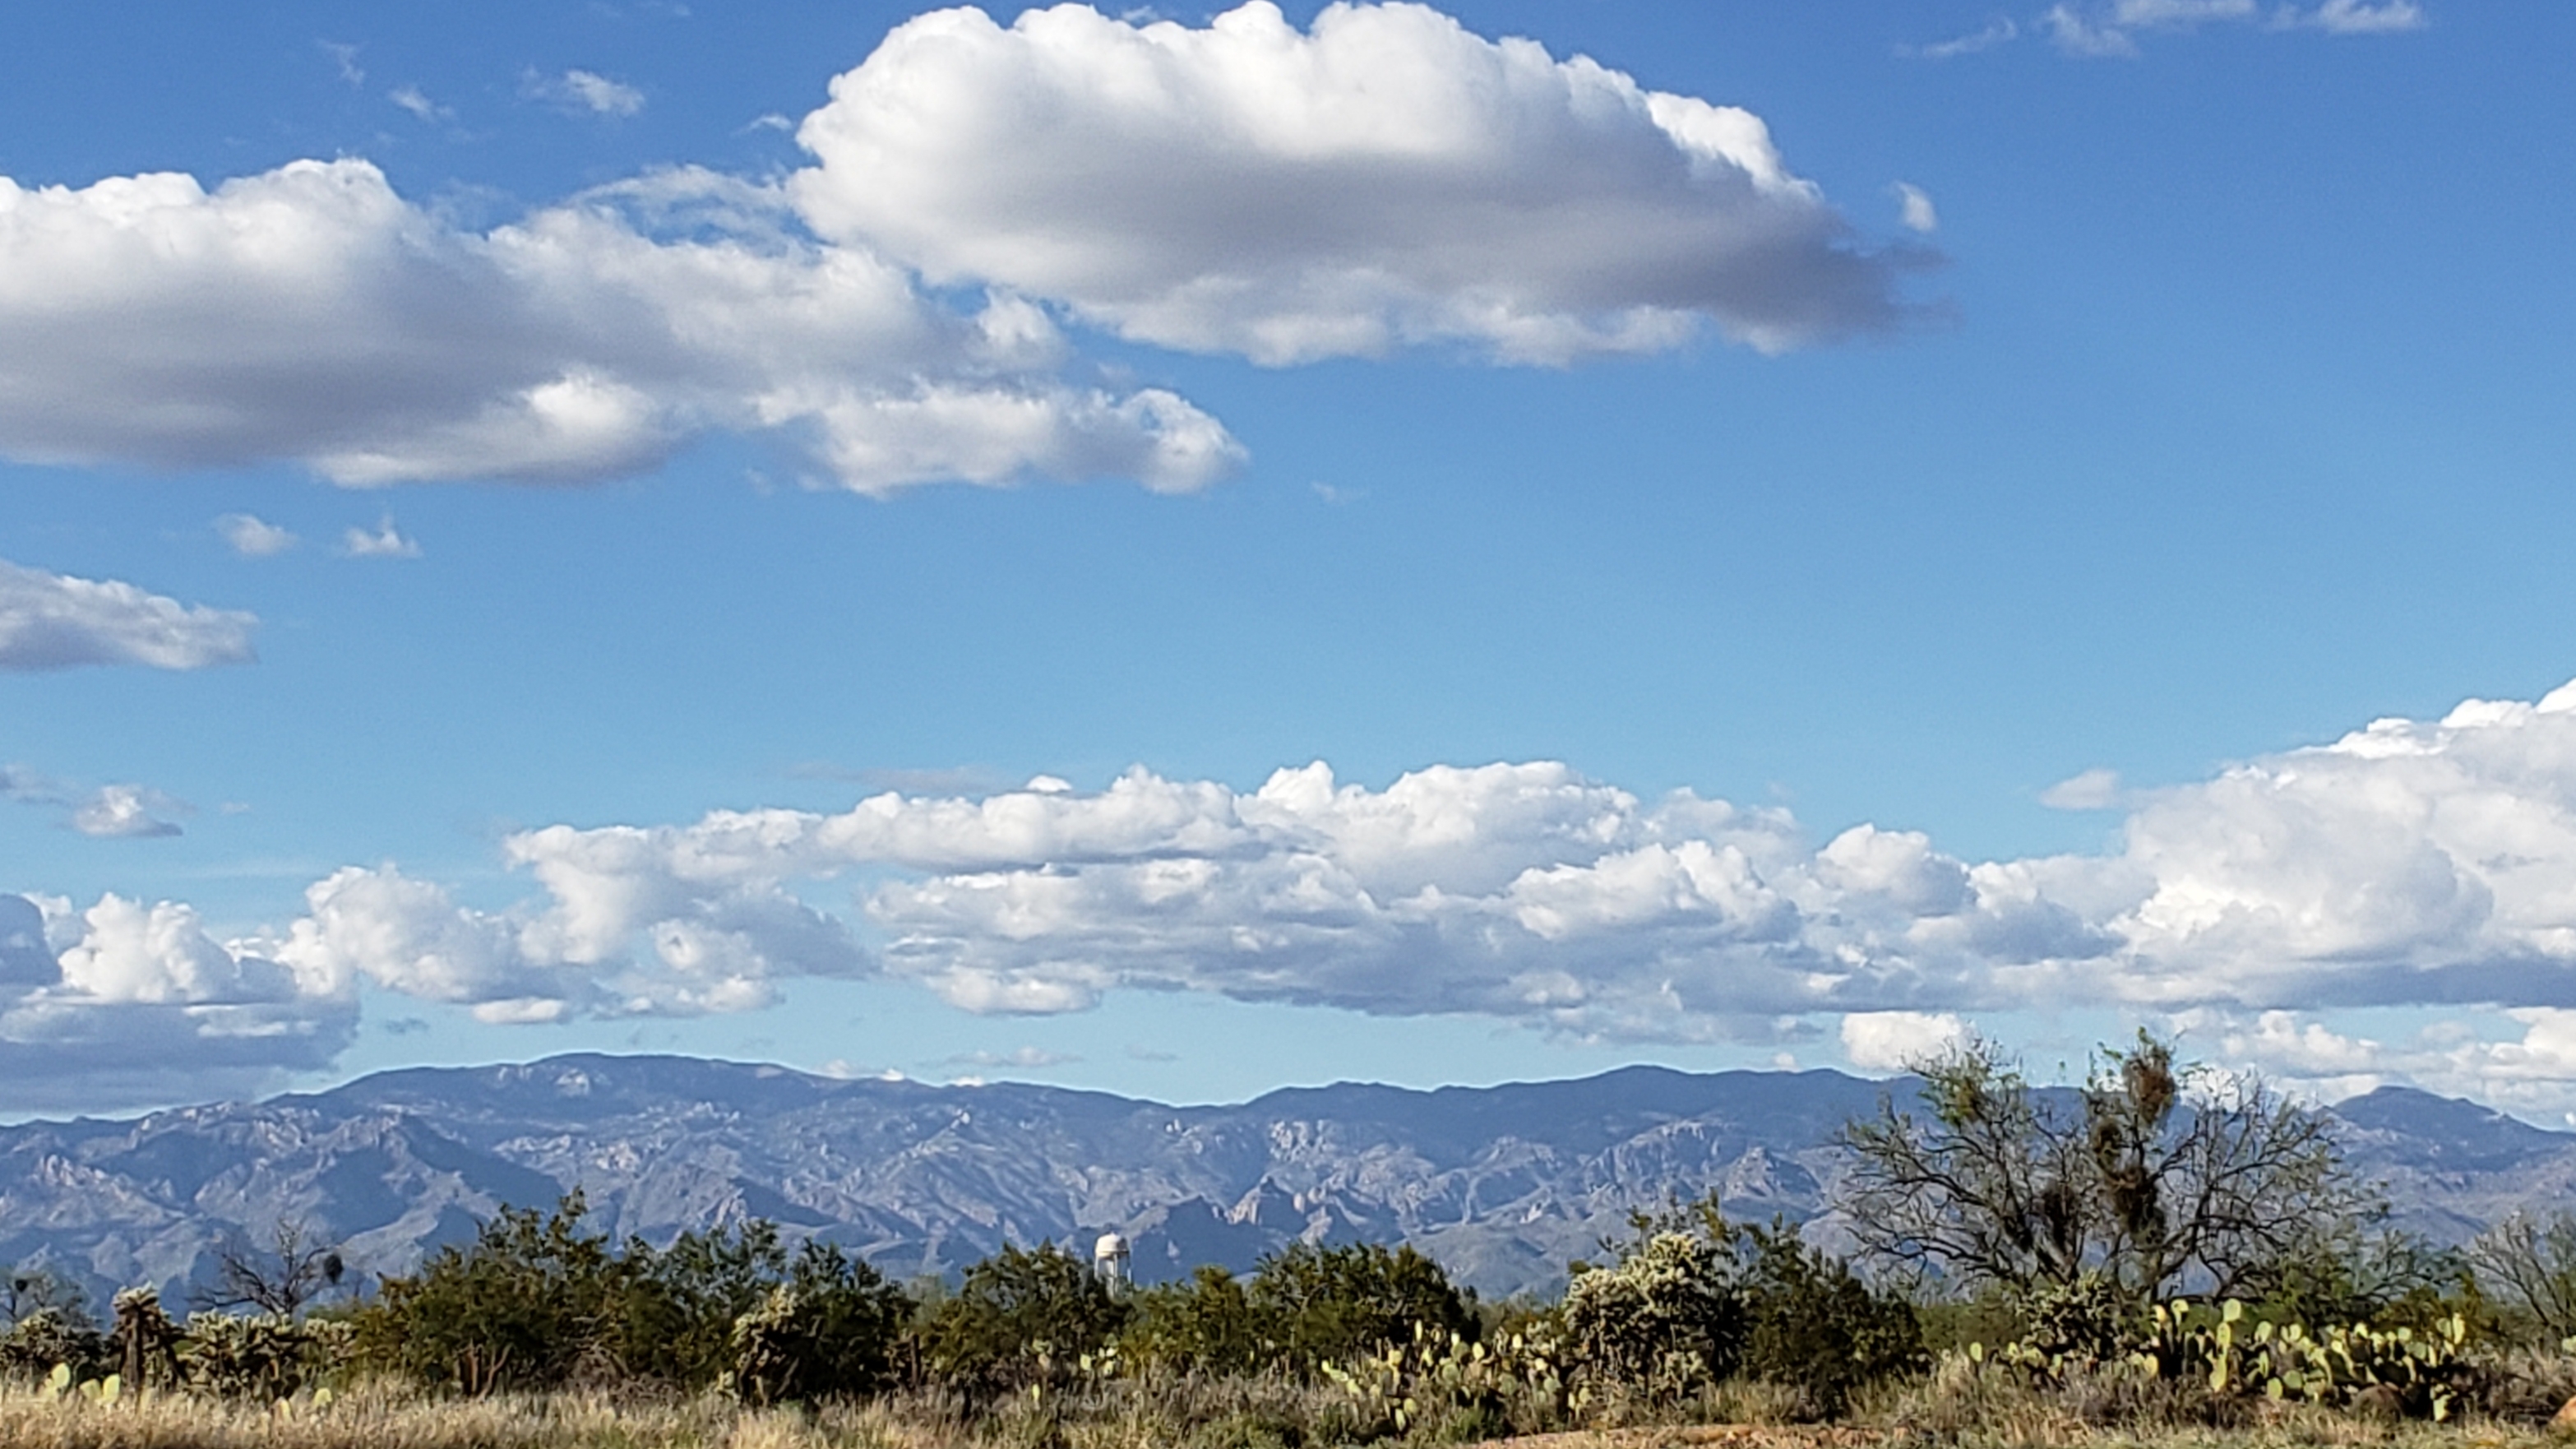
1502,1184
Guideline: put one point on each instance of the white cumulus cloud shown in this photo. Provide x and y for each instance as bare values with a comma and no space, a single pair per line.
1383,178
2413,862
56,621
2423,864
310,313
128,1003
1893,1041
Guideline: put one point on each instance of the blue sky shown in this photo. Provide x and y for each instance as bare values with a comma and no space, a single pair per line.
2008,456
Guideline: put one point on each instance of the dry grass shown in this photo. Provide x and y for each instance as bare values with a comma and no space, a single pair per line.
1187,1414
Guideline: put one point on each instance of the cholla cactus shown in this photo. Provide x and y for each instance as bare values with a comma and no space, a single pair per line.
768,1348
147,1341
49,1338
269,1356
1667,1317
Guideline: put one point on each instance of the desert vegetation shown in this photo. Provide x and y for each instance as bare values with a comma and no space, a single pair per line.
2162,1252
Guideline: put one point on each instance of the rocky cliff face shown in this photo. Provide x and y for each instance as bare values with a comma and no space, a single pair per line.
1503,1184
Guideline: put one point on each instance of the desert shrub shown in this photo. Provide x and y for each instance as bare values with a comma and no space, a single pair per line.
1814,1326
2227,1356
1449,1389
829,1330
1022,1316
1314,1304
2088,1319
537,1302
1205,1325
673,1312
2355,1273
1951,1324
1692,1300
522,1307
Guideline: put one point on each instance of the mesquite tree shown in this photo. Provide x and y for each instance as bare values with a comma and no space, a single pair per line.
2152,1179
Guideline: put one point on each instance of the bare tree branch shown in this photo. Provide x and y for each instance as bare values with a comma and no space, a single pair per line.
292,1271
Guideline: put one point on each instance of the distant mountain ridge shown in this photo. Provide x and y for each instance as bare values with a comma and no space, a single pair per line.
1503,1184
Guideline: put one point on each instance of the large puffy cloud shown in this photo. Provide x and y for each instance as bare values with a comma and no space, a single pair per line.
127,1002
310,313
56,621
1523,891
1384,178
132,1003
2411,863
714,950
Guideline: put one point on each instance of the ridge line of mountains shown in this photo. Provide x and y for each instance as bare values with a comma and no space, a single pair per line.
1502,1184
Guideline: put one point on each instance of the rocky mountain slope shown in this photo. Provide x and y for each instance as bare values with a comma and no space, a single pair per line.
1503,1184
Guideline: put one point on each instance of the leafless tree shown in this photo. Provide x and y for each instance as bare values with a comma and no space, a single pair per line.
2153,1179
26,1292
294,1269
2531,1263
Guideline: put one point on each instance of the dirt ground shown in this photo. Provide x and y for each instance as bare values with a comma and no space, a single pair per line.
1716,1436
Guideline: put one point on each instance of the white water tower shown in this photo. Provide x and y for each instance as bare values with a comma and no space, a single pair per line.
1109,1259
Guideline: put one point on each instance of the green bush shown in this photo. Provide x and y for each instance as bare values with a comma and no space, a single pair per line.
674,1311
2089,1319
536,1302
1206,1325
1314,1305
524,1307
1022,1316
1692,1300
829,1330
1815,1326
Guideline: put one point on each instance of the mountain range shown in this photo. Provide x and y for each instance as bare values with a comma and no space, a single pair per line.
1502,1184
